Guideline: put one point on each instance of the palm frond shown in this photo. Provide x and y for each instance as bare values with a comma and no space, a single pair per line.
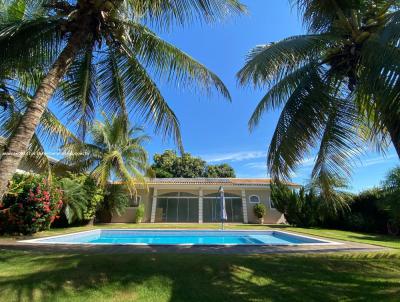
80,92
299,125
144,98
165,14
265,62
170,63
280,92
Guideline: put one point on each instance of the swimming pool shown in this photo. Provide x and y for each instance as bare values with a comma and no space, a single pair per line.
181,237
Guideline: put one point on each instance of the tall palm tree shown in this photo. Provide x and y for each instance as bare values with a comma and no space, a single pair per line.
16,96
105,43
115,153
338,87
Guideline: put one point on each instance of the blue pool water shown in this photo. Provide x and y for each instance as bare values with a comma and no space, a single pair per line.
173,237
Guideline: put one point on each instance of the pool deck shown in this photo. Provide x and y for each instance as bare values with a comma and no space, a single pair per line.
342,246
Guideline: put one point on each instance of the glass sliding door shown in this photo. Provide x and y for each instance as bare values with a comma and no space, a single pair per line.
178,207
212,208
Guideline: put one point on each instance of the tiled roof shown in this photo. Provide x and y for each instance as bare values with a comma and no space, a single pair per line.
212,181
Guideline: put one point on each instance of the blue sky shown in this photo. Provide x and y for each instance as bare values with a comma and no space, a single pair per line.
217,130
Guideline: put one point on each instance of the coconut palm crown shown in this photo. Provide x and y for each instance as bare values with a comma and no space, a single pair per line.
108,56
337,86
115,153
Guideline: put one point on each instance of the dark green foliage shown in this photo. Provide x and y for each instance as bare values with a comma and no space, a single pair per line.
372,211
31,205
116,200
169,164
139,213
365,213
75,199
300,208
220,171
391,200
259,210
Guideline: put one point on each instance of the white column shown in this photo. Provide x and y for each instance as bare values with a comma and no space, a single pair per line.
154,207
201,206
244,207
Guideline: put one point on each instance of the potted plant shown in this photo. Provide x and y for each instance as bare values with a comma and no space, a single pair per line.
259,211
139,214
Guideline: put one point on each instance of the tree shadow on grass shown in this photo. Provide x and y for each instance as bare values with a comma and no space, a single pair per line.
175,277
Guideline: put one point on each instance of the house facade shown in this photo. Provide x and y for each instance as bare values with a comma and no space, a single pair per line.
196,200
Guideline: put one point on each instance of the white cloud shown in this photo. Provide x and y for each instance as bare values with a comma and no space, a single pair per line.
258,165
377,160
233,156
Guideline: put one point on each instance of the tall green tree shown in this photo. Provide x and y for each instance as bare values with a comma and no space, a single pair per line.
169,164
100,43
220,171
337,86
115,153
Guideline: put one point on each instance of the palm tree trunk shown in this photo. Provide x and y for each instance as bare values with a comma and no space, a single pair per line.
18,143
394,132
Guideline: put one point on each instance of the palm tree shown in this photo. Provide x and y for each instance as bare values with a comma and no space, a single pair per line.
51,131
115,153
93,42
338,87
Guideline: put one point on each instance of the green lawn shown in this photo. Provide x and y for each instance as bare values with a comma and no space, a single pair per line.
161,277
33,276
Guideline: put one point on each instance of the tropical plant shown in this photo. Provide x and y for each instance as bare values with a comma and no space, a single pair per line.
139,213
32,205
259,210
105,53
338,87
74,199
17,94
116,153
116,200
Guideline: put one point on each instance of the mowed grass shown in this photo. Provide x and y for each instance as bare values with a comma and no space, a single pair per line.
28,276
32,276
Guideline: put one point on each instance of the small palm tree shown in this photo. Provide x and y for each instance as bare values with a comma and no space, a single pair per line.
115,153
100,46
338,87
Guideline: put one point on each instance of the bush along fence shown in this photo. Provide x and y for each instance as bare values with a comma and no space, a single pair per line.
373,211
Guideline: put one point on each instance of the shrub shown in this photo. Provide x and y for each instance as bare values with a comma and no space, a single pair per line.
259,210
31,205
75,199
300,208
115,201
139,213
82,198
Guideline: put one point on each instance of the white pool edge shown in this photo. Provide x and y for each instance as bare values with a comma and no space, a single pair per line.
39,240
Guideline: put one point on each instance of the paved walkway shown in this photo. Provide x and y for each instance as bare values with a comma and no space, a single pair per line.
128,249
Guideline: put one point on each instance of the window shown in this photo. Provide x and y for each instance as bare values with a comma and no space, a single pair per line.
254,199
134,201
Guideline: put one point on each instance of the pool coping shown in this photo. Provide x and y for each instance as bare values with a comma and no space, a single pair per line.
323,242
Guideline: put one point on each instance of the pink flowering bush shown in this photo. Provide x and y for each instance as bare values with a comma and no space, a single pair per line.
31,205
